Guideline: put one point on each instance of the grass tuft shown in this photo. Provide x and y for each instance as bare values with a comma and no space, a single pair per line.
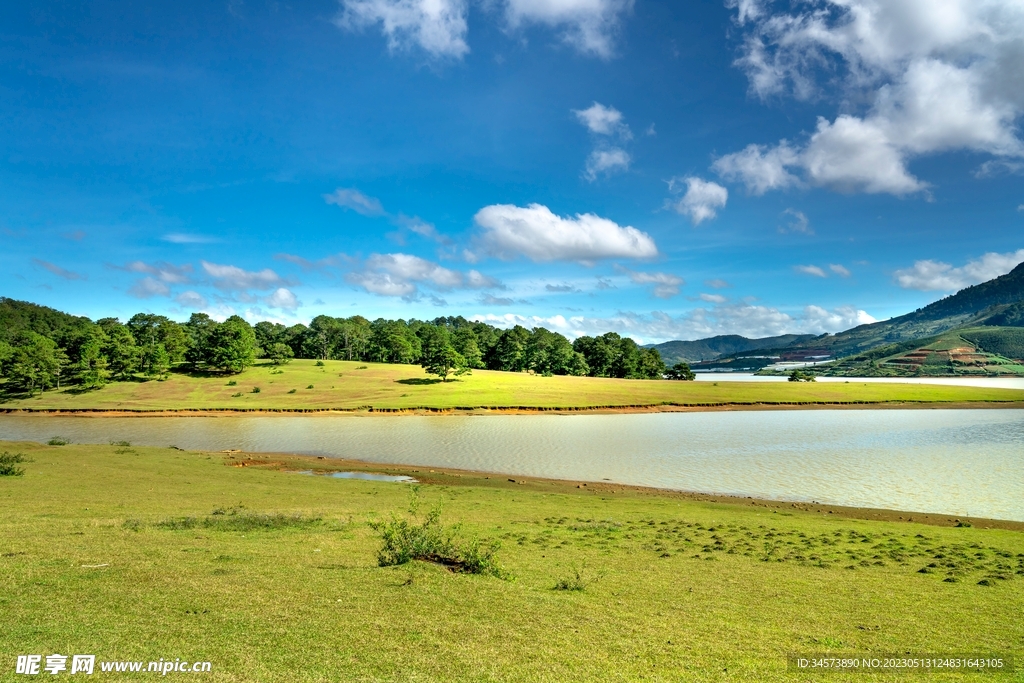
57,441
236,520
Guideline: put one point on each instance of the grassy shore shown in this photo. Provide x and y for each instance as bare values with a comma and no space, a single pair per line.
673,588
352,385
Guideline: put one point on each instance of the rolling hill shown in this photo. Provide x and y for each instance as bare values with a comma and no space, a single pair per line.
715,347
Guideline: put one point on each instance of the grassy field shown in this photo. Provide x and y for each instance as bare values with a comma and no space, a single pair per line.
352,385
673,589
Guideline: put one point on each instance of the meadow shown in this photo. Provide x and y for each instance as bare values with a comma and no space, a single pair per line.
134,553
343,385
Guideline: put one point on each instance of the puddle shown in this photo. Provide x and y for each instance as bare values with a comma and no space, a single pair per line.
401,479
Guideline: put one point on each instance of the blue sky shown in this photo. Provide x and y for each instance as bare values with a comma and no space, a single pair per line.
666,170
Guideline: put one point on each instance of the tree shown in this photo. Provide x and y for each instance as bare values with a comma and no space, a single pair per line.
123,355
232,345
279,353
799,376
681,371
35,363
465,342
509,353
199,328
439,356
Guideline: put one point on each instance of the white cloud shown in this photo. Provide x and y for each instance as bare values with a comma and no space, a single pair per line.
760,168
399,275
186,238
436,26
588,25
713,298
164,272
351,198
717,283
930,275
666,285
191,299
534,231
148,287
702,200
235,278
798,222
1020,207
606,161
839,269
935,76
810,270
603,120
283,298
738,318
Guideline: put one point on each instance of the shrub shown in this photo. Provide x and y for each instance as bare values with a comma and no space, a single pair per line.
319,363
291,391
57,441
255,390
403,540
236,395
8,462
576,581
310,386
231,383
122,444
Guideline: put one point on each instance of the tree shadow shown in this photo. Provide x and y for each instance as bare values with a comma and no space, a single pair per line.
418,381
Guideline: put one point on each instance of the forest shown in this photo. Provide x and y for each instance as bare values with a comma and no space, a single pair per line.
42,348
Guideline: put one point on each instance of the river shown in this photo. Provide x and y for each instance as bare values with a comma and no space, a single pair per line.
957,462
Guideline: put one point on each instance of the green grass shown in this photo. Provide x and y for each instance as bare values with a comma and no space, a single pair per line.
687,590
351,385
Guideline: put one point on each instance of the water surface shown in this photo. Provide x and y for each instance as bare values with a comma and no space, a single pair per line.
959,462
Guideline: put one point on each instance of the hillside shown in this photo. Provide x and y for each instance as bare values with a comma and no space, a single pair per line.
715,347
19,316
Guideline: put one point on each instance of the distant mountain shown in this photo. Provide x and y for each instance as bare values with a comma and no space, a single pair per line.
998,302
715,347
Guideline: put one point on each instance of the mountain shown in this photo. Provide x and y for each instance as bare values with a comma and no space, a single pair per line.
998,302
18,316
715,347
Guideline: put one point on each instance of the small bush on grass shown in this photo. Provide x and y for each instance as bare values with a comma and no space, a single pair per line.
236,520
405,540
255,390
8,462
319,363
577,580
58,441
291,391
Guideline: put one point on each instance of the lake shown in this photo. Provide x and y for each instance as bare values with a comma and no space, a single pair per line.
958,462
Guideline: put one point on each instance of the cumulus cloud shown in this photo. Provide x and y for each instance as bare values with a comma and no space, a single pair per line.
797,222
603,120
702,199
712,298
605,162
438,27
282,298
588,25
717,283
57,270
935,77
930,275
191,299
351,198
736,318
839,269
307,265
231,278
399,275
508,231
666,285
561,289
810,270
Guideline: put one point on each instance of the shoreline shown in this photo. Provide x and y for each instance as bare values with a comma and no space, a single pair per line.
518,410
446,476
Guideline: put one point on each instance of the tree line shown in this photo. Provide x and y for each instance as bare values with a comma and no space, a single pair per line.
41,348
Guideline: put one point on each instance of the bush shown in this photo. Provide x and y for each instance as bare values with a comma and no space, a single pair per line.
57,441
576,581
404,540
231,383
255,390
8,462
319,364
291,391
310,386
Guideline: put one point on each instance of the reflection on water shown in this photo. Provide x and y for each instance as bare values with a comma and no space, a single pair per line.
962,462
